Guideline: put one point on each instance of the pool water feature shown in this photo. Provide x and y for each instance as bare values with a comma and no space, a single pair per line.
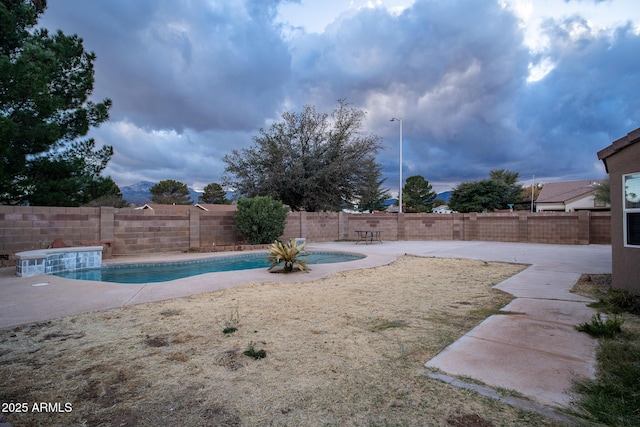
166,271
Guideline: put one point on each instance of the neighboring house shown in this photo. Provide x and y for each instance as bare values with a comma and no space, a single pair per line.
157,208
570,196
146,206
442,209
216,207
622,161
207,207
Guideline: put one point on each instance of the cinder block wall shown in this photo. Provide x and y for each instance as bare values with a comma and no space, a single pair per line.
387,223
560,228
293,226
25,228
218,228
319,226
494,227
178,228
600,228
428,227
141,231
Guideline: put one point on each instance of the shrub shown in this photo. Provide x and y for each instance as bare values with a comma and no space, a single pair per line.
252,352
287,253
231,325
261,219
618,301
600,328
624,300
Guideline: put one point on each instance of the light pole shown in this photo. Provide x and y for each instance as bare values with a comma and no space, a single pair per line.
533,182
400,189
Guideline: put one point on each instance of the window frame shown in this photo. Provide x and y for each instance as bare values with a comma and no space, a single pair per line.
627,210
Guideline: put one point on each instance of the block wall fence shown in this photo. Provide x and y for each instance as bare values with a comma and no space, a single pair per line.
180,228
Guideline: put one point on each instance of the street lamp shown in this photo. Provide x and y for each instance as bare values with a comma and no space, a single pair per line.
533,182
400,190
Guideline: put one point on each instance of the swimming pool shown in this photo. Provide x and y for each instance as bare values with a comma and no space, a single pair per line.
165,271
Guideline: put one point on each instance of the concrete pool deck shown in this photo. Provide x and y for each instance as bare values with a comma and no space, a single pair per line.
536,352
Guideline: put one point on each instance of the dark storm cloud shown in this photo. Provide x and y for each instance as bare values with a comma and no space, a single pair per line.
586,101
192,80
178,65
449,69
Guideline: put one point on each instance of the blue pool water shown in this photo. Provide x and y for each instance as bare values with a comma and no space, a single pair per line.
163,272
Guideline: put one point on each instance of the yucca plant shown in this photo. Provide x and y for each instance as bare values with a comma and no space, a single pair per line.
289,254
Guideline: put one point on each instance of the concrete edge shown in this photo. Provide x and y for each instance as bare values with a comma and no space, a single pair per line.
516,402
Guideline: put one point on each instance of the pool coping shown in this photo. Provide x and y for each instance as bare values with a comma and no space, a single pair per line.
257,254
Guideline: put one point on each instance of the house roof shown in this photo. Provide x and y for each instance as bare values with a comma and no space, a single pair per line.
216,207
561,192
160,208
631,138
146,206
208,207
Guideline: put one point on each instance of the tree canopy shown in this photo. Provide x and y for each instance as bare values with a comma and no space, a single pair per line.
373,195
511,180
309,161
214,193
488,194
603,191
45,84
418,195
170,192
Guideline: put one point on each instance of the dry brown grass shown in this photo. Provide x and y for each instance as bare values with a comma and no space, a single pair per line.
347,350
593,285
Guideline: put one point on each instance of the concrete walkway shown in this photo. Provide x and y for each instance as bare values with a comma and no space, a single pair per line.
533,349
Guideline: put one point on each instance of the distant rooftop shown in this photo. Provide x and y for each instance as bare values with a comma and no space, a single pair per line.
559,192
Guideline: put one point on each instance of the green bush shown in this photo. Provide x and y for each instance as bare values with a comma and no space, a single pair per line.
261,219
600,328
252,352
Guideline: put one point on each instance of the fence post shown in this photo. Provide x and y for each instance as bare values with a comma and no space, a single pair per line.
473,225
107,223
523,228
194,228
457,226
400,227
343,226
583,227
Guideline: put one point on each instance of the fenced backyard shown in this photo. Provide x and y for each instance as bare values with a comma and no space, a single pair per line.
180,228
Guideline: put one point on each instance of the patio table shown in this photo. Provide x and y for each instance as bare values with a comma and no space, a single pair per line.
369,236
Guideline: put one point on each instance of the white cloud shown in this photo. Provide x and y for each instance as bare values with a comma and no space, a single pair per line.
538,70
315,15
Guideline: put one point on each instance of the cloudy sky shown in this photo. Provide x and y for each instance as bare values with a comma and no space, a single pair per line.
533,86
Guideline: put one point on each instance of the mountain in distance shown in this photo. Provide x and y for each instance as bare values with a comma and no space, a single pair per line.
445,195
138,194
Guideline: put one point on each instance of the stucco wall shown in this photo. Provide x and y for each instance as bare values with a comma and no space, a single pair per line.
626,260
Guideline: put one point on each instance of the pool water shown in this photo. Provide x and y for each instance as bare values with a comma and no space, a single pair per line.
163,272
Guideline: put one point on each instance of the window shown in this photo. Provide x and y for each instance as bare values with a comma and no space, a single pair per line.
631,209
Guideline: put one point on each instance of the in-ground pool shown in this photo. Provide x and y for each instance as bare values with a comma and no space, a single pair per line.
165,271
